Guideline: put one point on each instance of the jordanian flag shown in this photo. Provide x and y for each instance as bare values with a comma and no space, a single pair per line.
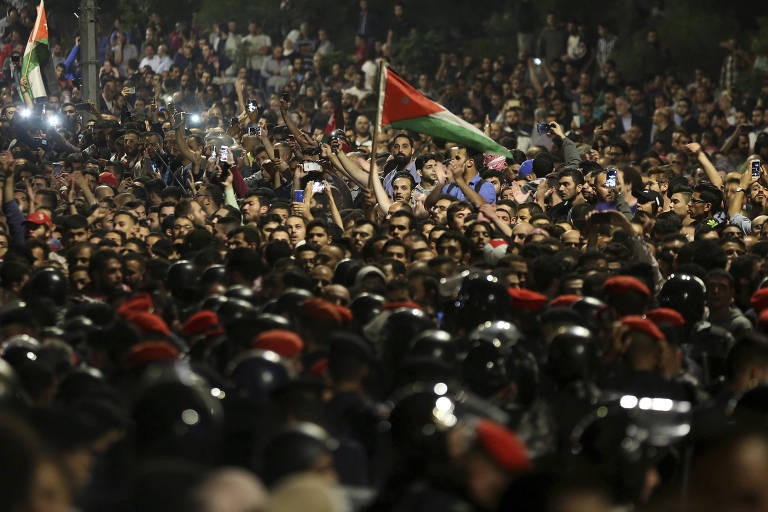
403,107
37,53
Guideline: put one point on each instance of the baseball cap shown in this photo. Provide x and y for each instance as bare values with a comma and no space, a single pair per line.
39,218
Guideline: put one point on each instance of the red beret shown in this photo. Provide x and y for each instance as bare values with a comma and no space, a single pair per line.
150,352
345,314
107,178
665,316
200,323
139,302
640,324
564,301
281,341
762,318
318,367
503,446
149,323
391,306
759,299
319,309
527,299
617,285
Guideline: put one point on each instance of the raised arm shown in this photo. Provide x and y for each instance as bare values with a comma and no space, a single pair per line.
297,134
706,164
332,204
374,183
353,169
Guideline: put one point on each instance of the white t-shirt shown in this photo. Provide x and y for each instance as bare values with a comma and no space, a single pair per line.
257,42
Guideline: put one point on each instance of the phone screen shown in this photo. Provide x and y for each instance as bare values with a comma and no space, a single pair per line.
755,168
610,179
298,196
224,153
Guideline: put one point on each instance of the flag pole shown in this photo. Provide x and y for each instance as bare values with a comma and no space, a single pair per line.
377,123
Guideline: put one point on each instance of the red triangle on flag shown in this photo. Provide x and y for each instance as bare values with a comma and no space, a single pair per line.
401,101
42,29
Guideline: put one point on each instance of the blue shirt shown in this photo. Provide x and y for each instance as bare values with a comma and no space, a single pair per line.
487,190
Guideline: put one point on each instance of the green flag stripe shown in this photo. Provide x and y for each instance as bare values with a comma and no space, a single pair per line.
445,130
39,54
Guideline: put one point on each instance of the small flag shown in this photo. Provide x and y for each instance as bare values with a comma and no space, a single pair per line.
36,54
404,107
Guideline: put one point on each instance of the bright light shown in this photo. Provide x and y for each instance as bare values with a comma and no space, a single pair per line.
440,388
168,99
443,404
646,403
190,417
628,401
25,112
54,120
195,118
661,404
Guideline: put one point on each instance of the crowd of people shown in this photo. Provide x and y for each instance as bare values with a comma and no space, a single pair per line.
219,293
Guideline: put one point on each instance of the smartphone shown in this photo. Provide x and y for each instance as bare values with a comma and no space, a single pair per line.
286,97
82,106
543,128
537,61
312,166
224,153
610,179
756,169
57,167
131,90
251,106
298,196
318,187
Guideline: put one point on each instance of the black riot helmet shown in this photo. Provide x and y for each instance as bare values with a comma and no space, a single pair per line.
436,344
177,414
402,326
295,450
687,295
482,297
256,373
366,306
572,355
48,283
183,281
241,292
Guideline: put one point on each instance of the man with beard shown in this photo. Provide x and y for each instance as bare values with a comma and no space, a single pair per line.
705,202
570,183
596,191
402,152
131,157
402,187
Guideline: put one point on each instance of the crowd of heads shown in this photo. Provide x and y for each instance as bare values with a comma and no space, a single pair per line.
222,288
